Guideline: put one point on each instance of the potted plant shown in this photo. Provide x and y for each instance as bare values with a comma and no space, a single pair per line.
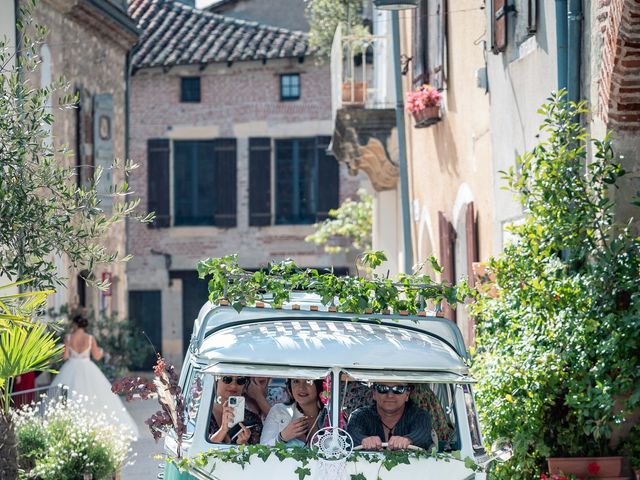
557,344
354,93
424,103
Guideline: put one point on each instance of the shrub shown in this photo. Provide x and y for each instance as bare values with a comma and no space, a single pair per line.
68,440
558,344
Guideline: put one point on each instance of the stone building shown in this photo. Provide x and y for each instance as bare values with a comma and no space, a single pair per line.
231,122
88,43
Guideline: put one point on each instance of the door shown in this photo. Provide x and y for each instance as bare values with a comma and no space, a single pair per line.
194,293
145,312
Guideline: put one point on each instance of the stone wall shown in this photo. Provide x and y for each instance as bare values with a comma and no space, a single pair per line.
93,61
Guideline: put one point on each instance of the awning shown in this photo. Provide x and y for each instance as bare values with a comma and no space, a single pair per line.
266,371
371,376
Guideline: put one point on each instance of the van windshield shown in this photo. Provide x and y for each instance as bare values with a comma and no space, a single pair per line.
289,411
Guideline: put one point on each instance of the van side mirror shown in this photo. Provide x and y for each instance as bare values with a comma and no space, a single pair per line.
502,450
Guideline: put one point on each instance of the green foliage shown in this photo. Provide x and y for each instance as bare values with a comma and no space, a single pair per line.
324,17
559,345
277,281
124,344
25,345
242,455
351,221
68,440
631,447
43,211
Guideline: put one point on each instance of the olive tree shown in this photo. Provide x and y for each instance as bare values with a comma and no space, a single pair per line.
44,210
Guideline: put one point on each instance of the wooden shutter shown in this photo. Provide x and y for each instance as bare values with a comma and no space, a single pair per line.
225,184
259,181
436,31
447,260
328,180
532,16
286,188
419,56
158,181
472,242
499,26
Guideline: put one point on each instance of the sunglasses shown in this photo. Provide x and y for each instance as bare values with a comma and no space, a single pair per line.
239,380
397,389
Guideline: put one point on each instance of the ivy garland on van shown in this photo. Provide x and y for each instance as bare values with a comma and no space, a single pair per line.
241,455
408,294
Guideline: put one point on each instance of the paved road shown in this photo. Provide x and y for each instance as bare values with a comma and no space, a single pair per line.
144,466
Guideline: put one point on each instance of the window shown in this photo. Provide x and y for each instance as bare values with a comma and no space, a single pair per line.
290,86
429,43
204,182
190,89
307,180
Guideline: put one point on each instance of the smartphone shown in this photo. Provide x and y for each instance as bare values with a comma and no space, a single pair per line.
237,403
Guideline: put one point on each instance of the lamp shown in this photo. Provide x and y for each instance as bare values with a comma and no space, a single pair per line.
395,4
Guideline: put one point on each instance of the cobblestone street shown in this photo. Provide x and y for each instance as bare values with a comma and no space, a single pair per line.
144,466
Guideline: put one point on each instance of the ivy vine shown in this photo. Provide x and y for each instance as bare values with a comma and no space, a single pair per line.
274,284
241,455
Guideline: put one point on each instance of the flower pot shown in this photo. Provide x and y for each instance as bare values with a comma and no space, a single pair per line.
596,467
426,117
354,93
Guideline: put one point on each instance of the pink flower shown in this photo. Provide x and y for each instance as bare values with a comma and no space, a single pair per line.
423,97
593,468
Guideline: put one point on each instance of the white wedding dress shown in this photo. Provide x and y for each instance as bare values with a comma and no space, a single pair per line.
84,378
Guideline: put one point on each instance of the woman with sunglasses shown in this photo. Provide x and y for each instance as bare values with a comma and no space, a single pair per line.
247,431
392,419
294,422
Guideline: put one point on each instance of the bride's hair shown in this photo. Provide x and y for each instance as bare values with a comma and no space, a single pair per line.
80,321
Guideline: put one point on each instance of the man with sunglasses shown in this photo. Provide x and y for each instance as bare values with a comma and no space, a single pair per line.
392,419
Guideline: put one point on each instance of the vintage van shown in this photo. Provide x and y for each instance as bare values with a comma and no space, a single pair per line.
306,340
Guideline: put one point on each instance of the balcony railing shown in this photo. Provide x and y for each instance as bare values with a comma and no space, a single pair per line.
359,73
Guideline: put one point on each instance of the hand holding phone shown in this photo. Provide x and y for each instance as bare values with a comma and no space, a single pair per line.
237,404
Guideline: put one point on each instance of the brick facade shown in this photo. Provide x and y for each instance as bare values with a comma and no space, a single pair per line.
239,101
619,95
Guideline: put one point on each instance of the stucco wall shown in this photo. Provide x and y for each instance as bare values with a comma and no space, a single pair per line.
450,162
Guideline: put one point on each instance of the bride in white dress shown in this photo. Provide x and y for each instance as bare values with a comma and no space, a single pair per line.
84,378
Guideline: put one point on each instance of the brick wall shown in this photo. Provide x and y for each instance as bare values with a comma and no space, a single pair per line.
619,95
238,101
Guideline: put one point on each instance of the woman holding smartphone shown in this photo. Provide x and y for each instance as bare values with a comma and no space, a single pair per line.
221,427
294,422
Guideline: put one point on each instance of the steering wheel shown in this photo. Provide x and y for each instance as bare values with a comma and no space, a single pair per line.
386,445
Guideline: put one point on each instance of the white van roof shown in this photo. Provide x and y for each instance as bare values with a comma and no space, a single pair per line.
304,334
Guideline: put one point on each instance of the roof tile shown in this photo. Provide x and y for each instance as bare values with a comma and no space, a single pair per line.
173,33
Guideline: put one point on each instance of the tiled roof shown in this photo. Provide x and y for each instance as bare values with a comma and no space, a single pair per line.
175,34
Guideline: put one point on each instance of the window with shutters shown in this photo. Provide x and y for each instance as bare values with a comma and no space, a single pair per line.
430,43
306,180
204,183
303,177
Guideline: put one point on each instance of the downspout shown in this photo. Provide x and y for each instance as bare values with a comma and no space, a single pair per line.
561,42
127,126
402,145
574,18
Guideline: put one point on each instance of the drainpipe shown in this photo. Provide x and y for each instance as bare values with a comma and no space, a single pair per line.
574,17
561,42
127,126
402,145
